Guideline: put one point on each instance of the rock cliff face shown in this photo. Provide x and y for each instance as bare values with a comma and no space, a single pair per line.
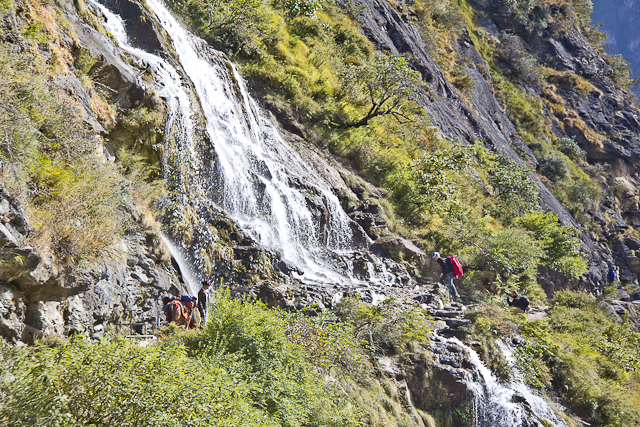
36,298
605,110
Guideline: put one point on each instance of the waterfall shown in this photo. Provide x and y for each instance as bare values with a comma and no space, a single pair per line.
255,177
504,405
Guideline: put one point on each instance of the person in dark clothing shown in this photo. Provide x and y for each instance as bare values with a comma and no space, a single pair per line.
203,295
447,273
519,303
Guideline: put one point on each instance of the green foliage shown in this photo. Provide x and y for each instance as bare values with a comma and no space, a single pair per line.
569,147
430,181
328,344
282,380
554,167
385,84
386,326
78,206
560,244
435,180
517,62
84,61
295,8
121,383
510,183
509,252
622,74
234,25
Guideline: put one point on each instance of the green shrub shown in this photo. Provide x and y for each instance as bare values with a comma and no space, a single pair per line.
561,244
282,381
121,383
509,252
386,326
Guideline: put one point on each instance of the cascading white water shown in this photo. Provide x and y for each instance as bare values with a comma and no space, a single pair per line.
494,401
255,187
255,176
539,405
188,274
179,124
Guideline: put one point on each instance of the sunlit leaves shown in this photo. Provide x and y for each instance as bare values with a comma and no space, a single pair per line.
385,84
561,244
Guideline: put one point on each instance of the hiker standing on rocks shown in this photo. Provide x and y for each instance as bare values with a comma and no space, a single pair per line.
520,303
203,296
447,273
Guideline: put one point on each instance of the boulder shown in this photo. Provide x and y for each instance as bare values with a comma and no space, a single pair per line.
398,249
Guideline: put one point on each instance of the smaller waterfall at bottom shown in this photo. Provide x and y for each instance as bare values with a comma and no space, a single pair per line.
503,405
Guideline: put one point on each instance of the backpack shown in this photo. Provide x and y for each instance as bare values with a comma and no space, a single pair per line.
612,275
457,267
187,298
525,302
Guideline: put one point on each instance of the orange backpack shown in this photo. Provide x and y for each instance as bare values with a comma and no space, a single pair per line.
457,267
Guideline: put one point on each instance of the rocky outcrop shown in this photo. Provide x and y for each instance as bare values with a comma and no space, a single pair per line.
398,249
37,298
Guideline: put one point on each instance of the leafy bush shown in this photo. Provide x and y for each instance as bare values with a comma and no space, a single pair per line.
385,327
429,181
121,383
328,344
569,147
554,167
560,243
295,8
517,61
509,252
282,381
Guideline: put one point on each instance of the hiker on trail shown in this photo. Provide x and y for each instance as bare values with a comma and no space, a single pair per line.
447,273
203,296
613,274
520,303
180,310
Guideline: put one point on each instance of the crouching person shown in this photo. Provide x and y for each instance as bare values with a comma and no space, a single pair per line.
520,303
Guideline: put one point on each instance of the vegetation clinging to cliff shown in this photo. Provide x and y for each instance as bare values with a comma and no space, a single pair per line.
249,366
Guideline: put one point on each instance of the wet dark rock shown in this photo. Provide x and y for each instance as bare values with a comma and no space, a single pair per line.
368,216
448,313
424,298
456,323
288,268
138,24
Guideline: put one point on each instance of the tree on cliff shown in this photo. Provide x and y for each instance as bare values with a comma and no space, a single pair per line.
386,84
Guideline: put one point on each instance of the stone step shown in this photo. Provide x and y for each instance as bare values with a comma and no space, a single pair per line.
449,313
456,323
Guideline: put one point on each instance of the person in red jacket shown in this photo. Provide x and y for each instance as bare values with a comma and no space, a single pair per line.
447,273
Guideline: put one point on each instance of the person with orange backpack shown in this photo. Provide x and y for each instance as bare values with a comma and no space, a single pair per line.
450,268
